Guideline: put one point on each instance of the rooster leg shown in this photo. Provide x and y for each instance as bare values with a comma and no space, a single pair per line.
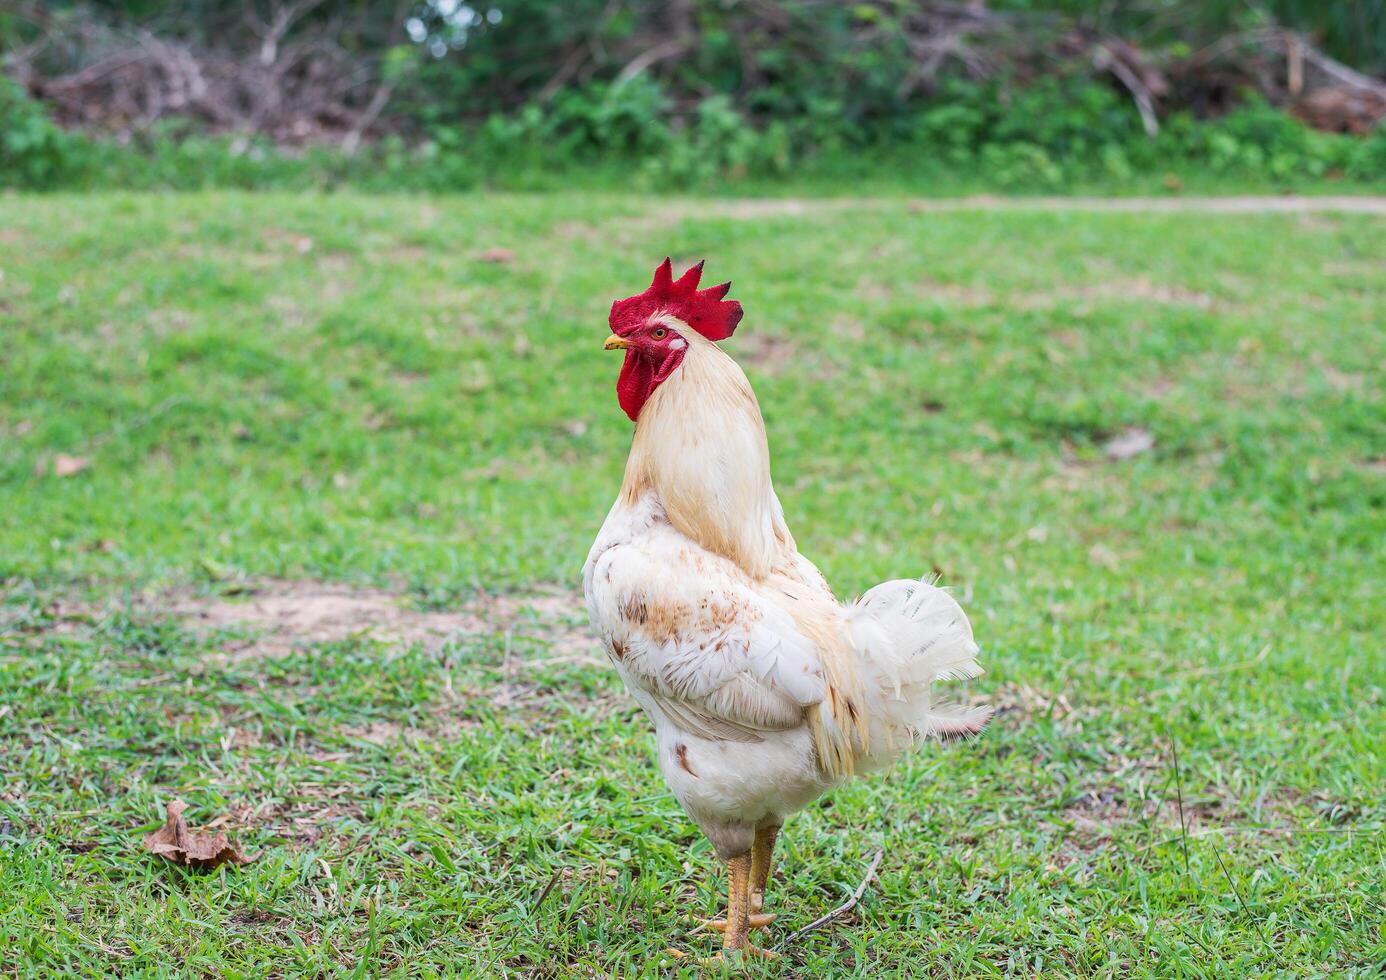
735,935
738,902
759,871
735,928
762,864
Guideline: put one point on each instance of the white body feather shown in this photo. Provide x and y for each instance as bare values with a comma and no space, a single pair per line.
763,689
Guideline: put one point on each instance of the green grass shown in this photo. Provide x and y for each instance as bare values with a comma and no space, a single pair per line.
339,388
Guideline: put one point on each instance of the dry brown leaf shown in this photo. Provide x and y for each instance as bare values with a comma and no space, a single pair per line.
498,256
65,465
1132,442
202,851
1100,554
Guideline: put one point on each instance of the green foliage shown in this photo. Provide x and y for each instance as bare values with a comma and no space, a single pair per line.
1052,134
527,94
34,152
619,118
706,94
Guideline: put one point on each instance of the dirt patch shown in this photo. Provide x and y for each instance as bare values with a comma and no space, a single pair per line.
580,231
1129,290
287,615
766,353
377,732
317,811
1242,204
1028,703
752,209
953,293
282,616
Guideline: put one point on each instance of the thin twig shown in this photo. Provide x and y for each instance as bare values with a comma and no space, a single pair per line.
1179,790
1197,941
842,909
135,422
1255,661
1245,911
545,893
1213,831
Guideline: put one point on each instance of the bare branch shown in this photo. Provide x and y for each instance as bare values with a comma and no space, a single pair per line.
352,141
653,56
1106,59
842,909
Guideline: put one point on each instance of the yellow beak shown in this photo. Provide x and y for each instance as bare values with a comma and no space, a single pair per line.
615,343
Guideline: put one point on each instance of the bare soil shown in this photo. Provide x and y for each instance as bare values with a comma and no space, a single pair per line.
755,208
281,616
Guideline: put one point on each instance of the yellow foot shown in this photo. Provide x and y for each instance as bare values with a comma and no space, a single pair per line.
756,921
747,951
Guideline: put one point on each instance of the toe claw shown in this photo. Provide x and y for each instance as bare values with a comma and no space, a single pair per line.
756,921
746,952
756,952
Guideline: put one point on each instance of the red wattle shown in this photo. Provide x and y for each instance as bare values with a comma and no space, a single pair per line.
635,384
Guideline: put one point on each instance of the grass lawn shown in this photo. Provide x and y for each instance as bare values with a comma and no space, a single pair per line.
1147,450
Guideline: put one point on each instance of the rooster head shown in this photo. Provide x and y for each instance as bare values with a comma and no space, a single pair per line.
651,328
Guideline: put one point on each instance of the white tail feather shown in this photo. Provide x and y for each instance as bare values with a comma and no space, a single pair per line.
910,635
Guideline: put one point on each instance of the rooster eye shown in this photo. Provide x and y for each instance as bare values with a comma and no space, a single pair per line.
659,333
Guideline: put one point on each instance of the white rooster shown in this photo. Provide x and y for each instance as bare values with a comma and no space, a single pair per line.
764,690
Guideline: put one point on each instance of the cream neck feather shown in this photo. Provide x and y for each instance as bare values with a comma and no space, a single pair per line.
700,446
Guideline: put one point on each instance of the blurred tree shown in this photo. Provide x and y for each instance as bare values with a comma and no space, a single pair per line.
301,69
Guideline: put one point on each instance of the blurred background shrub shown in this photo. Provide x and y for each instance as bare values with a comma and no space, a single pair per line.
442,94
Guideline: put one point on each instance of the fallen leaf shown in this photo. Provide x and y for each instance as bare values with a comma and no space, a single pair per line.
1100,554
65,465
498,256
202,851
1131,442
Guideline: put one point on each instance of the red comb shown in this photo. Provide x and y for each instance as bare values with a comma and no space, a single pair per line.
702,309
